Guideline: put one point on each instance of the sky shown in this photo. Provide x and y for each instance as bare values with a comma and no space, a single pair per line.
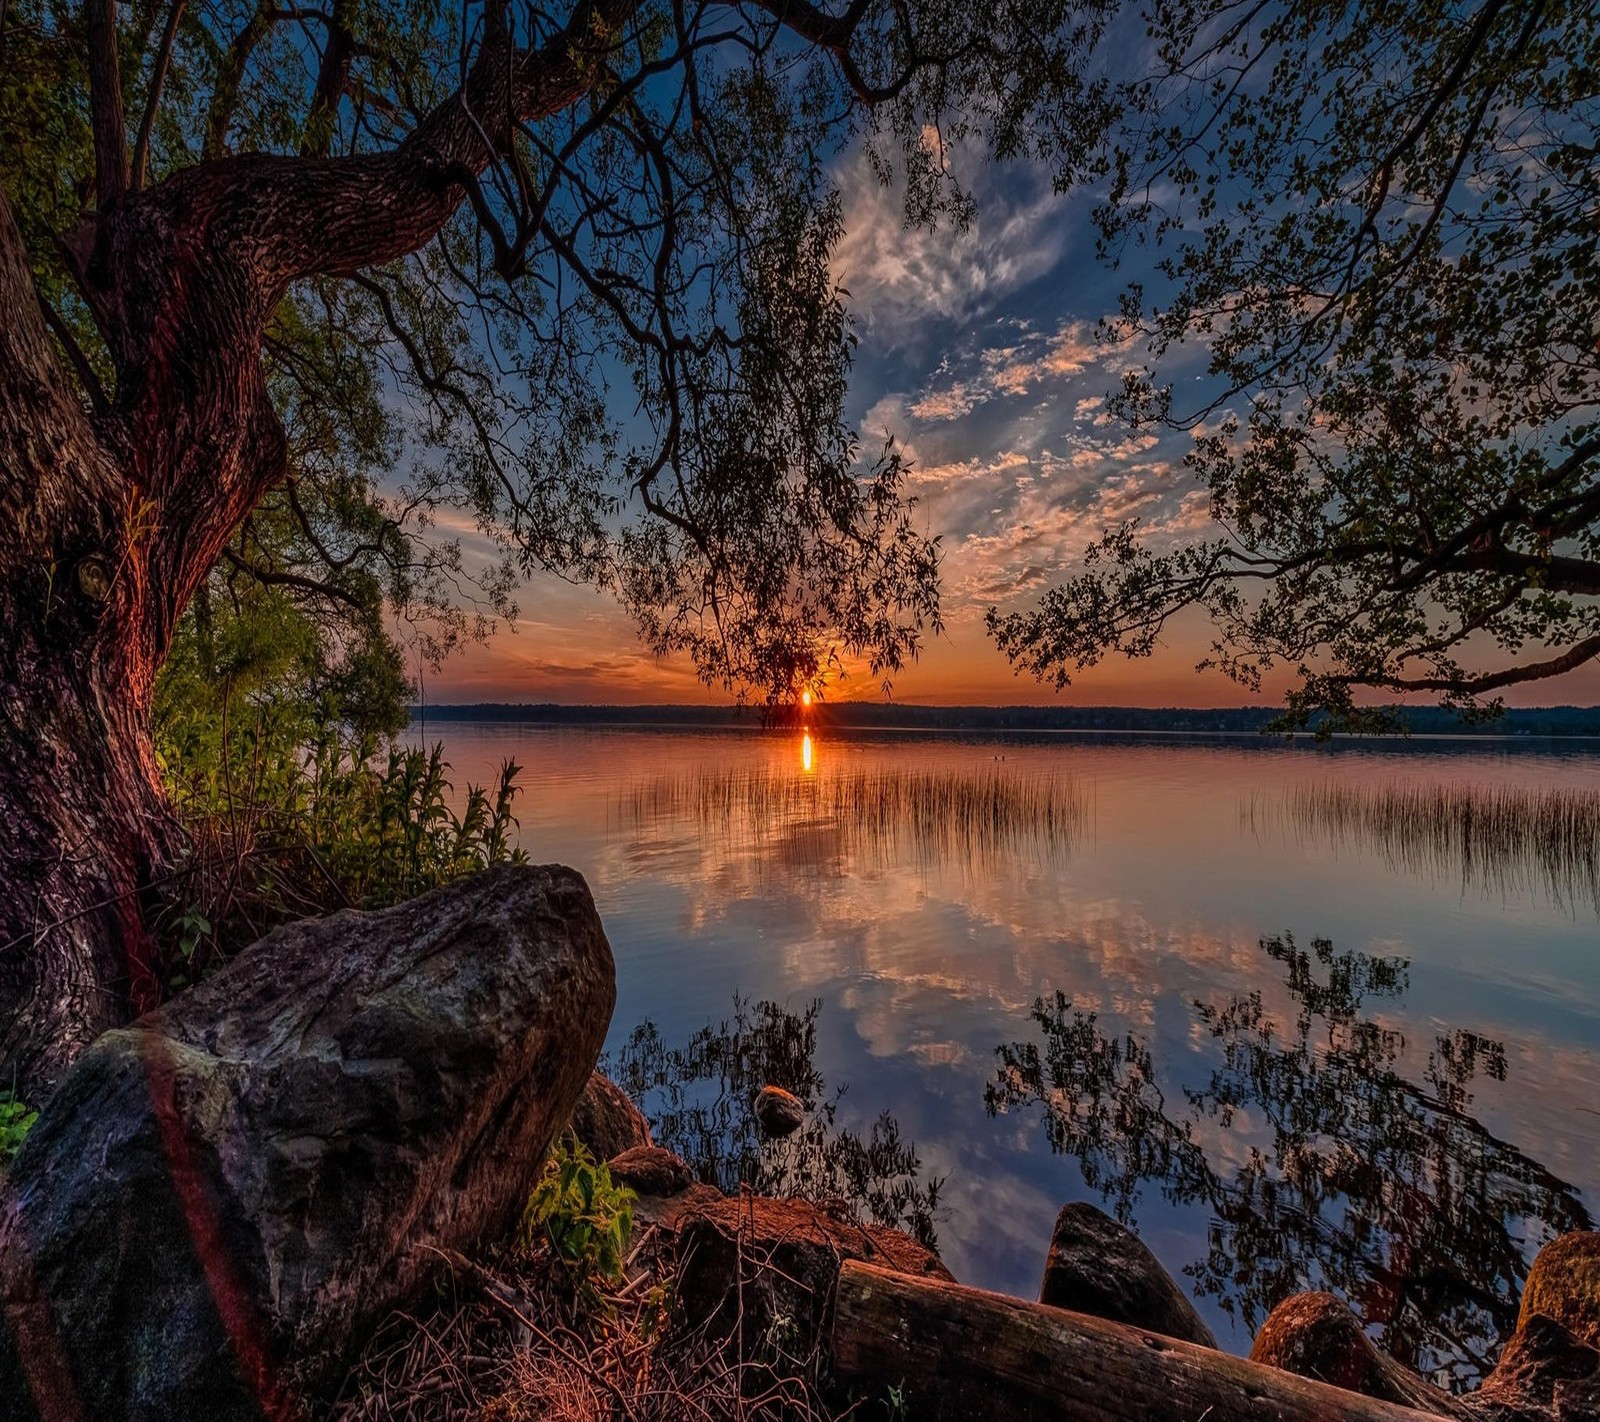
979,356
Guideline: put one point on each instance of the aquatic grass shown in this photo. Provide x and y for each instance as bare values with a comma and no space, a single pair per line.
1500,839
970,817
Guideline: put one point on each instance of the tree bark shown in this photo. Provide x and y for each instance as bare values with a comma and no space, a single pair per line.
87,829
85,825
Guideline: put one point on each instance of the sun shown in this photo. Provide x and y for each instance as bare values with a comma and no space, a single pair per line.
805,698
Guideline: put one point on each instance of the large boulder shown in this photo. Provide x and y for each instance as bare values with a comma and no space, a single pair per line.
1099,1267
221,1199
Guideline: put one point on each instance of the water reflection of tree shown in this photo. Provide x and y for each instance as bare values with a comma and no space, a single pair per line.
698,1098
1341,1172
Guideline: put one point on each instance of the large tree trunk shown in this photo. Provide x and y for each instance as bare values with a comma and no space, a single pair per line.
114,505
85,832
84,826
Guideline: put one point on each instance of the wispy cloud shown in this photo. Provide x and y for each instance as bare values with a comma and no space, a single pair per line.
900,279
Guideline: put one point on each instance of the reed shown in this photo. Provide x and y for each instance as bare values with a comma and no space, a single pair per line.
1497,838
970,817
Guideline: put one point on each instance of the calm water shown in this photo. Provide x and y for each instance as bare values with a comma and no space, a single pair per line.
1263,1002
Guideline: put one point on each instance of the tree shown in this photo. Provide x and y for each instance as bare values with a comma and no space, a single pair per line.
1379,220
587,248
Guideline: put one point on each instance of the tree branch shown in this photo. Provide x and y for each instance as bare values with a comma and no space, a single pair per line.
270,577
57,499
1574,657
333,73
105,104
158,80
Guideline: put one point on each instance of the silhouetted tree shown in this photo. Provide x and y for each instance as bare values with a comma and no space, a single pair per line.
1377,220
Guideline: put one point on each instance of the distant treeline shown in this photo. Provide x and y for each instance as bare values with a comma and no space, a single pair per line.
873,715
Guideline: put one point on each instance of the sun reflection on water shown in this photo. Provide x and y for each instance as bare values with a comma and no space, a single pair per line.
807,753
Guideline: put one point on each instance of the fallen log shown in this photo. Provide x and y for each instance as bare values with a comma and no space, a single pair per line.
956,1352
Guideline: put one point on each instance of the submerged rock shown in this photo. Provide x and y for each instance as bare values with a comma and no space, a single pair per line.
649,1170
778,1112
1544,1373
1564,1284
1099,1267
222,1198
1317,1336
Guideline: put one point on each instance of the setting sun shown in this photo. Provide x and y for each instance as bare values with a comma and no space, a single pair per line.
805,698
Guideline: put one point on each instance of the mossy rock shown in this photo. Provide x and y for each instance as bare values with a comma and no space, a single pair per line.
1564,1285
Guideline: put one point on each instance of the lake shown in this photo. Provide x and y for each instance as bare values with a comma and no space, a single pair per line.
1303,1016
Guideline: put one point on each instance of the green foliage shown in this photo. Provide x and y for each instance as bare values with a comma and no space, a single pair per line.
16,1120
1374,221
295,799
585,1219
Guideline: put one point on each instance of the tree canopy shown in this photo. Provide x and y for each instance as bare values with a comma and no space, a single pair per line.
556,275
1378,222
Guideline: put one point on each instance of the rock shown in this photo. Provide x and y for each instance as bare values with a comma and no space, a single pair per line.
1098,1267
771,1268
221,1199
778,1112
1542,1373
1317,1336
606,1120
1564,1284
649,1170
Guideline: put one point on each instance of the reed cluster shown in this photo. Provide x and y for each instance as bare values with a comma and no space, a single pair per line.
884,813
1502,839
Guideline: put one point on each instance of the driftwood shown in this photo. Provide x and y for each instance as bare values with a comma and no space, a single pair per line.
956,1352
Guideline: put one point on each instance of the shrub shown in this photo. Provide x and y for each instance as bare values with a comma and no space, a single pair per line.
584,1217
292,815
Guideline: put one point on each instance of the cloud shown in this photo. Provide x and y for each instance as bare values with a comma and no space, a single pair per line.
901,278
1029,362
949,404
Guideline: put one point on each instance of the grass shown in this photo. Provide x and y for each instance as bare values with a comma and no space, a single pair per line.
501,1343
279,828
883,814
1502,839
